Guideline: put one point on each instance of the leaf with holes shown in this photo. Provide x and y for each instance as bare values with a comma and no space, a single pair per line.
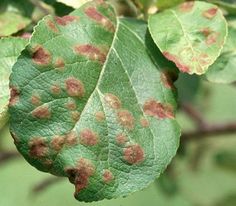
89,104
10,50
191,35
223,70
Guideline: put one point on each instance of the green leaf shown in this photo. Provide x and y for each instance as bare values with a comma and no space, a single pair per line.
191,35
223,70
10,50
165,4
92,105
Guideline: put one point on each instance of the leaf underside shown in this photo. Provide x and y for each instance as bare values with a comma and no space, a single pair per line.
191,35
92,105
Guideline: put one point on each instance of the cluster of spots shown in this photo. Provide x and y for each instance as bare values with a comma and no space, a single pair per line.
210,13
52,25
38,147
182,67
91,52
126,119
95,15
112,100
80,174
100,116
187,6
41,56
158,110
71,105
14,96
55,89
121,139
133,154
65,20
107,176
35,100
167,80
74,87
42,112
88,137
144,122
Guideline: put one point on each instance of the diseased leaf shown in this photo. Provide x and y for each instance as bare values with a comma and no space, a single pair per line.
191,35
223,70
10,50
89,104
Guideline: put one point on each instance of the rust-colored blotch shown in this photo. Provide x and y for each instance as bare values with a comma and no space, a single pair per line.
42,112
91,52
167,80
14,96
57,143
59,63
144,122
74,87
182,67
35,100
121,139
210,13
85,170
65,20
212,38
38,147
71,138
158,110
100,116
134,154
107,176
55,89
126,119
187,6
113,101
71,105
88,137
52,26
41,56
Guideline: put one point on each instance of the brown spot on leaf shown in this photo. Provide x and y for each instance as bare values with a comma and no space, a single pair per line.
59,63
212,38
71,138
121,139
14,96
71,105
144,122
65,20
134,154
91,52
74,87
158,110
55,89
41,56
187,6
126,119
100,116
88,137
85,170
107,176
35,100
94,14
167,80
41,112
182,67
112,100
210,13
52,26
57,143
38,147
206,31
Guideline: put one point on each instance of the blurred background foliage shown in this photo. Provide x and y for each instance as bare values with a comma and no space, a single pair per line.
202,174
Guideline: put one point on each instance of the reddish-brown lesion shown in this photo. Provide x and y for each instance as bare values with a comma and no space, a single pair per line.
88,137
210,13
144,122
166,79
65,20
212,38
36,100
126,119
14,96
52,26
57,143
187,6
134,154
42,112
107,176
121,139
74,87
59,63
41,56
38,147
112,100
158,110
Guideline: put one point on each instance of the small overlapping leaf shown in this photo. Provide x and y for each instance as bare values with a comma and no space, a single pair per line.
191,35
224,69
10,50
89,104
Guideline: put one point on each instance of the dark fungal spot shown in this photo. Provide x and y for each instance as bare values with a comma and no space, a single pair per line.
182,67
121,139
210,13
35,100
94,14
88,137
158,110
52,26
91,52
42,112
107,176
38,147
41,56
65,20
57,143
100,116
113,101
74,87
134,154
187,6
14,96
126,119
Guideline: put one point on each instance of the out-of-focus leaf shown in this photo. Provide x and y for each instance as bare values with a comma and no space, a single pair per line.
191,35
10,50
226,159
96,108
165,4
229,200
73,3
224,69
